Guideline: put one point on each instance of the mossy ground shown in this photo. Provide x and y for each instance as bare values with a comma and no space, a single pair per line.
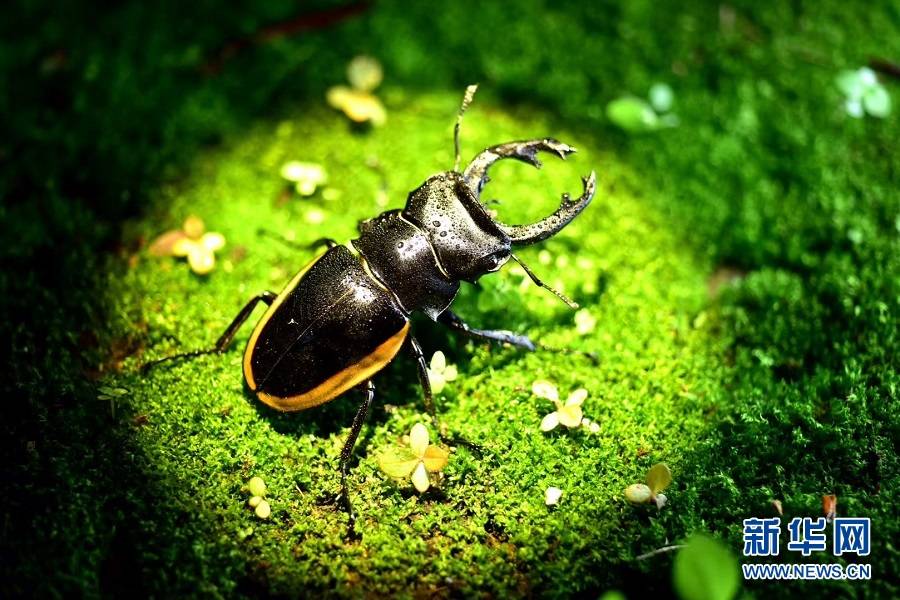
781,384
650,391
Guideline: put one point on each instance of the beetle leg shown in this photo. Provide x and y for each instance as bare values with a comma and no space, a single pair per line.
323,241
343,498
225,339
476,173
453,321
453,440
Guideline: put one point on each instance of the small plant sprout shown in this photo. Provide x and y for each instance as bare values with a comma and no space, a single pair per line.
439,372
568,414
193,242
357,101
305,176
257,488
864,94
415,462
111,394
552,496
658,478
638,115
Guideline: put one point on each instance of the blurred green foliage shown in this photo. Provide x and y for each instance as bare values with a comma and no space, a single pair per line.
118,119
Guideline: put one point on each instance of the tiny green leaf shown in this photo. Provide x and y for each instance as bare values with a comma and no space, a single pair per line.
398,462
658,478
705,570
632,114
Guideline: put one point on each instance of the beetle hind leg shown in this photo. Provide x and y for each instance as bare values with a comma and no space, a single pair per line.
226,338
342,499
454,440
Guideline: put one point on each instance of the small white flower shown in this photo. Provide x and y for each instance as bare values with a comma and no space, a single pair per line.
439,372
552,496
305,176
584,322
568,414
417,462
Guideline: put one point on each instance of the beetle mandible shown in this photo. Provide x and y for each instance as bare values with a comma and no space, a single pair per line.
346,315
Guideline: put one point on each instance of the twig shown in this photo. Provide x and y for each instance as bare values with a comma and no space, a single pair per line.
885,67
292,26
662,550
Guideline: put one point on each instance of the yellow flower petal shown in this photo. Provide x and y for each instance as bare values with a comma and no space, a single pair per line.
337,96
183,246
435,458
212,241
544,389
420,478
638,493
659,477
164,245
193,227
450,373
201,260
398,463
570,416
362,107
437,380
438,362
577,397
550,422
306,188
418,440
364,73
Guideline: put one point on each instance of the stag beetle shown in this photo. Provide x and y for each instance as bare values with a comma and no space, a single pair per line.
346,315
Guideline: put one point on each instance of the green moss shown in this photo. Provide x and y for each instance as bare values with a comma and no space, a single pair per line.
649,392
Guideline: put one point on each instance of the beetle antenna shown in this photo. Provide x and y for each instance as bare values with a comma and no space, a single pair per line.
467,100
539,283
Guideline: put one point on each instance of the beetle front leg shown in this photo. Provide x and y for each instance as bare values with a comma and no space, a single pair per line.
476,173
503,336
453,321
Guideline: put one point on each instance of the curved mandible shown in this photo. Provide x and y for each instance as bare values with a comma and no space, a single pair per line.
526,151
522,235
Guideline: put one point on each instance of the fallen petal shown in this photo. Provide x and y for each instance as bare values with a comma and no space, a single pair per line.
550,422
438,362
201,260
638,493
398,463
165,243
544,389
570,415
418,440
552,496
364,73
193,227
577,397
420,478
212,241
435,459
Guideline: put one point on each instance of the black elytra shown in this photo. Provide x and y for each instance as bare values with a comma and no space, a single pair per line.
345,316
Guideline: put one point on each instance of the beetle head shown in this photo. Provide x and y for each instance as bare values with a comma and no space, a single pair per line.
467,241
